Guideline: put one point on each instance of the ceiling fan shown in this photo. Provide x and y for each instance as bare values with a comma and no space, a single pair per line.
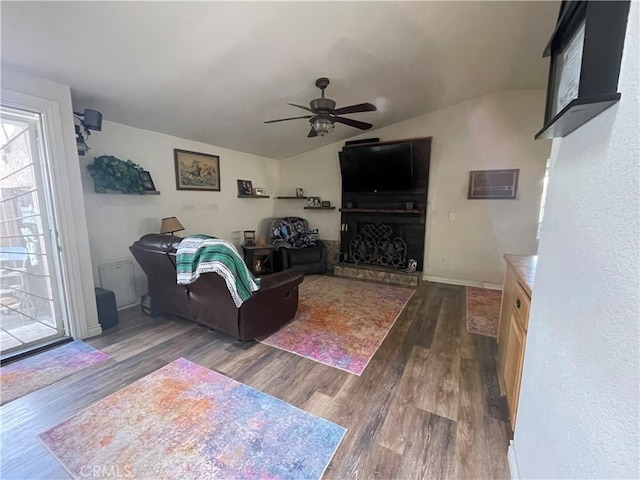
325,113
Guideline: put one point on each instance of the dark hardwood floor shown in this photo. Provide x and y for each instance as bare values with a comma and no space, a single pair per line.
427,406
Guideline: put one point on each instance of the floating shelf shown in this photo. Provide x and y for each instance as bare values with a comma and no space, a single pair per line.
290,198
254,196
117,192
319,208
406,211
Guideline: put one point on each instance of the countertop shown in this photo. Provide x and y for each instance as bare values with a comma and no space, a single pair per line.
525,266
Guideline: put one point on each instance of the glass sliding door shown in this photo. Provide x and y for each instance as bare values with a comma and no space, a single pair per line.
32,309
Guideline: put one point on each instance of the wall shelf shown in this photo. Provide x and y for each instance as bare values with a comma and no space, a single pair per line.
319,208
290,198
254,196
117,192
405,211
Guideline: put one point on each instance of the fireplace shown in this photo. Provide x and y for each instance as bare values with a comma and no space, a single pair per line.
384,230
376,245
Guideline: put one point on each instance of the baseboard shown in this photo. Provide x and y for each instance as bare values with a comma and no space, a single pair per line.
129,305
462,281
513,462
94,330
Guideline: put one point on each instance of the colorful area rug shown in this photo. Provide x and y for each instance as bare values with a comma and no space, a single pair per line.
483,311
185,421
341,322
38,371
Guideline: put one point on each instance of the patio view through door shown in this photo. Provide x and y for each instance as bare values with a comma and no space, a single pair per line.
32,309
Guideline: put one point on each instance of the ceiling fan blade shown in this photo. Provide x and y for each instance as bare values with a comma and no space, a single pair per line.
353,123
285,119
361,107
312,133
300,106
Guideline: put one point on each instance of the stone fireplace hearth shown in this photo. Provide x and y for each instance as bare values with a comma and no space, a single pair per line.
377,274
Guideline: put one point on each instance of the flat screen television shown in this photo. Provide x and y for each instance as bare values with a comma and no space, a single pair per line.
377,168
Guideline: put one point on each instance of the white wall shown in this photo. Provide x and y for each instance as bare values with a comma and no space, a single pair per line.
578,415
492,132
116,221
53,101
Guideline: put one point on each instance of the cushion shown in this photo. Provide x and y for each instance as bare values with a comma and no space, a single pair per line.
303,256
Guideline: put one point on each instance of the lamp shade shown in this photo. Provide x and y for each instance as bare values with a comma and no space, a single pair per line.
170,225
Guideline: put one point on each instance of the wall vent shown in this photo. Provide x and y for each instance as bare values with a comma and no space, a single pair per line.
493,184
118,277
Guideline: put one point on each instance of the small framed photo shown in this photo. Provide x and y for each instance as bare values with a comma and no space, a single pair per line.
196,171
299,192
261,191
245,187
147,182
325,203
250,238
313,201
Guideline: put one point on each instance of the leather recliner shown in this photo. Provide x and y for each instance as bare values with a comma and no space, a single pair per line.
310,259
207,301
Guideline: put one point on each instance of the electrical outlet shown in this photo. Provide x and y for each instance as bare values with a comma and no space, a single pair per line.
452,216
446,261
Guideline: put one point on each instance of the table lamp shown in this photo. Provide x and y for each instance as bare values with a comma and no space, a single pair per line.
170,225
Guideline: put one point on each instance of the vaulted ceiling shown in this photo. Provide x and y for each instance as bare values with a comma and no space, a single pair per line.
215,71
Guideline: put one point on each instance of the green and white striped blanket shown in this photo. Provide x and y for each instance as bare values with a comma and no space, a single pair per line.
198,254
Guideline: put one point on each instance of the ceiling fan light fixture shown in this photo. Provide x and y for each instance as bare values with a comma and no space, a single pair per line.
322,126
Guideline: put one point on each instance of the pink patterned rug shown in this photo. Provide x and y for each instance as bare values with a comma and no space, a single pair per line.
483,311
185,421
341,322
38,371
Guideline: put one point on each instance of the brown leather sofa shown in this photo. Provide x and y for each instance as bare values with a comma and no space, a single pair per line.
207,301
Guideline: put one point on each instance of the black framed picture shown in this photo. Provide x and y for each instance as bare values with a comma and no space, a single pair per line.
245,187
586,52
147,182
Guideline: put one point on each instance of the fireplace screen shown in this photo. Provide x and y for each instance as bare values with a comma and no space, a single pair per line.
376,247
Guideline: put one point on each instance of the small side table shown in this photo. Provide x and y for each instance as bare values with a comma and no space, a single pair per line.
259,259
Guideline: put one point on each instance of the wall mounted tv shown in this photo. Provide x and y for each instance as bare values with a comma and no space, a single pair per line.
377,168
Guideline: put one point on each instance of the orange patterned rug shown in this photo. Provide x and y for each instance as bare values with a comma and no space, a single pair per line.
185,421
341,322
483,311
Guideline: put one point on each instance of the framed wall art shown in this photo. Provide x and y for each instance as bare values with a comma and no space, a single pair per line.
196,171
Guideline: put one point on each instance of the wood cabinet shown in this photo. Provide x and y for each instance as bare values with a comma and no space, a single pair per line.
514,322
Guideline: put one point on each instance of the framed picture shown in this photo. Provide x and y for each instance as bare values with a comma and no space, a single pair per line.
245,187
249,238
260,191
299,192
147,182
325,203
313,202
197,171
